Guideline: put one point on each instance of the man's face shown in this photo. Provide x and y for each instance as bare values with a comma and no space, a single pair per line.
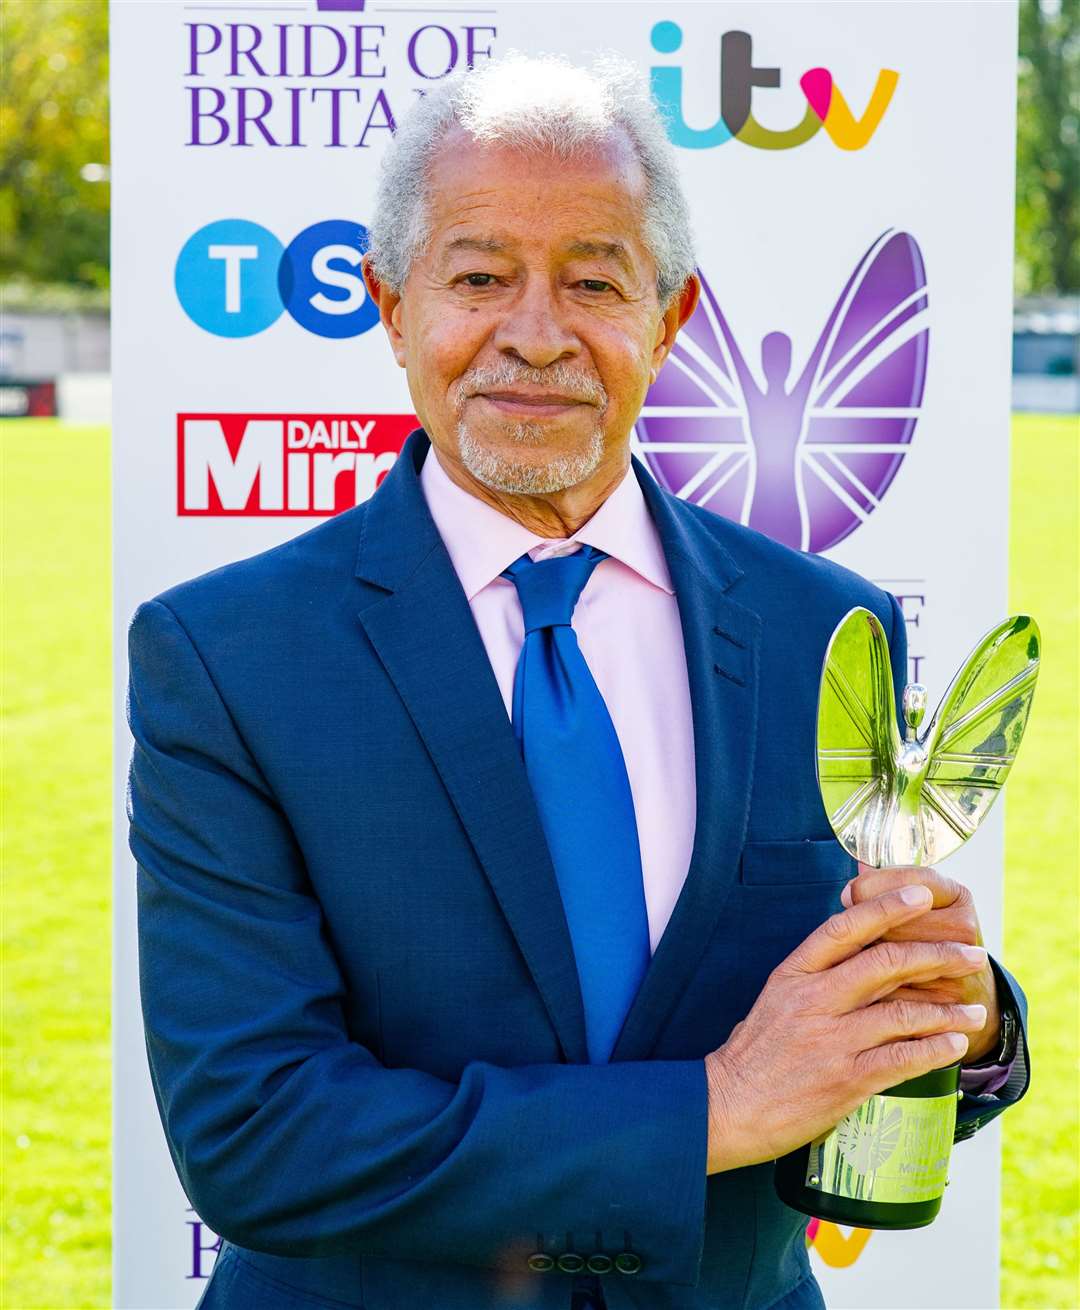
530,327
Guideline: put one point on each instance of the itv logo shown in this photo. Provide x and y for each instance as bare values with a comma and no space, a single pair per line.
825,104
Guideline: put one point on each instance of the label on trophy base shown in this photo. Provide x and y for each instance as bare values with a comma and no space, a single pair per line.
891,1148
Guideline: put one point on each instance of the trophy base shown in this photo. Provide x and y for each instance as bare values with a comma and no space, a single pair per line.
885,1164
842,1209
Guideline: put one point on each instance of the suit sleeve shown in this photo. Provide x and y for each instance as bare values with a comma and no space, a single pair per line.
974,1109
291,1138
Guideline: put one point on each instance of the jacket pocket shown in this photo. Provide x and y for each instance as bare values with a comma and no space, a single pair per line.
786,863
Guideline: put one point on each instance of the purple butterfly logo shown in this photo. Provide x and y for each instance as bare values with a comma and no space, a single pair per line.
805,463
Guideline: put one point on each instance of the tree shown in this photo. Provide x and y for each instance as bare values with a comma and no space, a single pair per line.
1048,147
54,141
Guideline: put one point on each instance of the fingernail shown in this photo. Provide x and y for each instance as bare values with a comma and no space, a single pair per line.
977,1013
958,1043
845,896
915,895
976,954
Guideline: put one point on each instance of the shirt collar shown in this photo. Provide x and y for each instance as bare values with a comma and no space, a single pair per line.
482,541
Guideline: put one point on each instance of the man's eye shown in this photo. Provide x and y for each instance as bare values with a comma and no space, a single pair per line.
594,284
479,279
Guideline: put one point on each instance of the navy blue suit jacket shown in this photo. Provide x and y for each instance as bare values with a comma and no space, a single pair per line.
362,1014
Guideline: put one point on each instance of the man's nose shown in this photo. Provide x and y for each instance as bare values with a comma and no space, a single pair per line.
535,328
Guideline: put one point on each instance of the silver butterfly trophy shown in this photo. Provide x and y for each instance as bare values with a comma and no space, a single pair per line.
895,801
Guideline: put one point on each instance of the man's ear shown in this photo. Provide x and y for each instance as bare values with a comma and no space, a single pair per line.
390,309
675,316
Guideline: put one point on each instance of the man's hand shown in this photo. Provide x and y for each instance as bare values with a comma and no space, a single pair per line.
822,1037
952,919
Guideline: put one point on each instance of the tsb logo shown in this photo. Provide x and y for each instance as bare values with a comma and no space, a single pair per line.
275,464
234,277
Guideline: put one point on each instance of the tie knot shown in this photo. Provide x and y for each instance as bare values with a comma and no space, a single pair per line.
549,588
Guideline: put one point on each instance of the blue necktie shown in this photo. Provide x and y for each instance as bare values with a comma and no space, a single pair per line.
576,769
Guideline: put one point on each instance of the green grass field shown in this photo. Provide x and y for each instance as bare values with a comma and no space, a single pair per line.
1041,1183
56,892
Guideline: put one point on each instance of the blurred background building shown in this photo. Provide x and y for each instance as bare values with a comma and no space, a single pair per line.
1046,354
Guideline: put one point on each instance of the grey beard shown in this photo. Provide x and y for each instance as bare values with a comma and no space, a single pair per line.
502,474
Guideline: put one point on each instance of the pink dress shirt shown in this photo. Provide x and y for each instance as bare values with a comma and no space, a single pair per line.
627,625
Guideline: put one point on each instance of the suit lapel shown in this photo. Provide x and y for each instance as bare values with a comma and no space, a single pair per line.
721,643
419,622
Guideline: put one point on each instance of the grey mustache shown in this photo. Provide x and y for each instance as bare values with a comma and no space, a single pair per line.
559,378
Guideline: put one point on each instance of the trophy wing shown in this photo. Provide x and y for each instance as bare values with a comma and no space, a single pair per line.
858,740
973,737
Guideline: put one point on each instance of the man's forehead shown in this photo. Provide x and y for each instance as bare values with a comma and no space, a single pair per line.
506,243
484,198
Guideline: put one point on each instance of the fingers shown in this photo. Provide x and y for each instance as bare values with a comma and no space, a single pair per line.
941,991
875,882
885,966
890,1021
948,925
845,934
898,1061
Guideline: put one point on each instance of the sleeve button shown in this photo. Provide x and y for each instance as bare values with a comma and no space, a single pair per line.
570,1262
540,1262
599,1263
627,1262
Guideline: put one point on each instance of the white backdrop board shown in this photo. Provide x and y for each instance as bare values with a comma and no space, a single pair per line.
856,158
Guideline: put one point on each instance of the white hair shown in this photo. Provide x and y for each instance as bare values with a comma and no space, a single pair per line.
540,102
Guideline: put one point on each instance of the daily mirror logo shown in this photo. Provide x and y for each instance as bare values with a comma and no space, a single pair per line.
826,106
260,465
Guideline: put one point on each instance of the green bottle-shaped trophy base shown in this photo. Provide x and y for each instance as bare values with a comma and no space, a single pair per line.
885,1165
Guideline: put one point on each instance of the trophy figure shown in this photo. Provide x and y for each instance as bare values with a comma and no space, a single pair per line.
894,802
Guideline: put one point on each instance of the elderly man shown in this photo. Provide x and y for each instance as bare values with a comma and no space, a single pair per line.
491,963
